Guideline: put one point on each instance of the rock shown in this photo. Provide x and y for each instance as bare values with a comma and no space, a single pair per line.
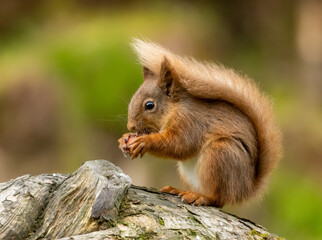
99,202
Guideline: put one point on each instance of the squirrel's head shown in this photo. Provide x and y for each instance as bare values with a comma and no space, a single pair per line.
150,104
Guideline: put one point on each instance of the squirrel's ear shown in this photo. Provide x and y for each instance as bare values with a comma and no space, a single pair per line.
169,81
147,74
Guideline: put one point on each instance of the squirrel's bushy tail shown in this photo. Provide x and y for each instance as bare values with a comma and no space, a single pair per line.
197,78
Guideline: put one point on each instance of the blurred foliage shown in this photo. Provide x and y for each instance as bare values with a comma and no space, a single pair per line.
296,204
67,73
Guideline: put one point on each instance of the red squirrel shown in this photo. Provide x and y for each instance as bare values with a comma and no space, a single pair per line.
213,121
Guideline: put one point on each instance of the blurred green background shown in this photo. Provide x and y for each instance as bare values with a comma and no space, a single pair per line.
67,74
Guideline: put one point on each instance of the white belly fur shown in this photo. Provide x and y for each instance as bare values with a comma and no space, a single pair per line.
188,170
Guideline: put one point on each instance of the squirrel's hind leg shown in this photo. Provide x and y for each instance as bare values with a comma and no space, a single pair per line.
226,172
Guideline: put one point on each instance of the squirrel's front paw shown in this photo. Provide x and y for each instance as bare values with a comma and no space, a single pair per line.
138,146
124,142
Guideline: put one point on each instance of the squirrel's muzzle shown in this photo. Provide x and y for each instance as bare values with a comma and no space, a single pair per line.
131,126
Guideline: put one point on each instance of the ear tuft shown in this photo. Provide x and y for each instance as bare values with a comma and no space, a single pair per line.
165,72
169,81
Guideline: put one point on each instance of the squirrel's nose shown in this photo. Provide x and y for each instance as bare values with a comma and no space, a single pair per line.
130,126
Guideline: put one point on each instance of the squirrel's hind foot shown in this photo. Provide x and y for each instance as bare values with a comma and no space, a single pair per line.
191,197
196,199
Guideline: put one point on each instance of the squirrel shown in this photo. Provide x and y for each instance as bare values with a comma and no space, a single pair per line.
213,121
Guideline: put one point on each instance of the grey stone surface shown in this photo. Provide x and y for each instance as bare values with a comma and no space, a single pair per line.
99,202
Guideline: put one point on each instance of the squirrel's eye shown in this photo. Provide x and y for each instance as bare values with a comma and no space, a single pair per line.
149,105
